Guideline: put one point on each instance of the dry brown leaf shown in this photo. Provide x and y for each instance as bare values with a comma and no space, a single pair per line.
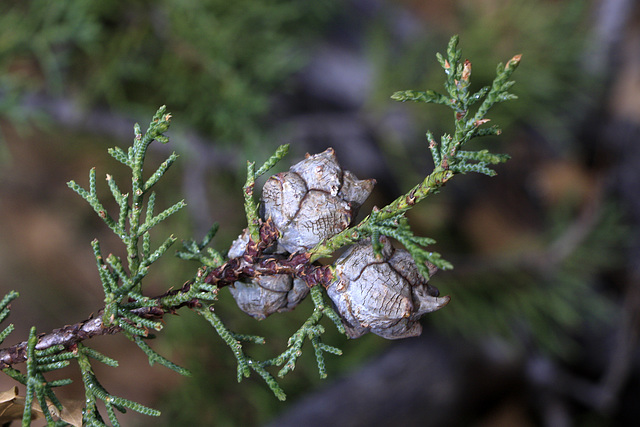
72,411
12,407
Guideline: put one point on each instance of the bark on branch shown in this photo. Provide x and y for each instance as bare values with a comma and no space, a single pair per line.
250,265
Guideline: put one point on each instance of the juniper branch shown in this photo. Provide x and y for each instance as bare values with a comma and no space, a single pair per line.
252,264
128,311
448,158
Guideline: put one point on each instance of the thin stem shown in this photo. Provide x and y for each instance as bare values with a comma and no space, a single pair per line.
402,204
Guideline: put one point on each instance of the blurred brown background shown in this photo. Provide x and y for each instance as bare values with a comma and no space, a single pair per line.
542,327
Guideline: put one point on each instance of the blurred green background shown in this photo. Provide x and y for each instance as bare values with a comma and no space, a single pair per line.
542,327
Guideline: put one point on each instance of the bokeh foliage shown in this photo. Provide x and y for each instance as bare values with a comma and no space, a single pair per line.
555,90
213,62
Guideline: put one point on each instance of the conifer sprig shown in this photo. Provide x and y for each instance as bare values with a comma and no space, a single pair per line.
448,157
122,280
200,251
250,204
446,153
94,391
37,387
310,330
4,313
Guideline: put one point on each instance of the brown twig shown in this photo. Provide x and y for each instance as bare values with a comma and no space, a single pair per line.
70,335
251,264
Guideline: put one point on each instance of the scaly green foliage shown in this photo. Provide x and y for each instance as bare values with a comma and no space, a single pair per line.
124,282
447,154
448,157
310,330
4,313
121,282
250,205
39,362
192,250
94,391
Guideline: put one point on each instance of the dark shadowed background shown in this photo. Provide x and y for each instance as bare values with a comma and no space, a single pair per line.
543,322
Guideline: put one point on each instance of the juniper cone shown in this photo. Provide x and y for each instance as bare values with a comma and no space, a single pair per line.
265,295
313,201
385,296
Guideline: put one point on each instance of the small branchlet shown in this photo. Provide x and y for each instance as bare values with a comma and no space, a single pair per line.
5,306
126,309
122,282
446,153
192,250
39,362
250,205
399,229
94,391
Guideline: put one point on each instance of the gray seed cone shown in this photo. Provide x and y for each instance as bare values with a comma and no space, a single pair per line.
313,201
385,296
265,295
